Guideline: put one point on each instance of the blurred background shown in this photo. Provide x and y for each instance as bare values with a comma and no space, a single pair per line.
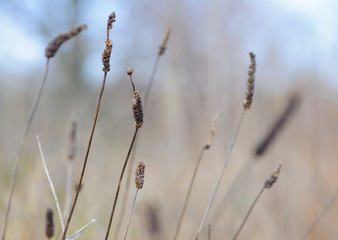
203,71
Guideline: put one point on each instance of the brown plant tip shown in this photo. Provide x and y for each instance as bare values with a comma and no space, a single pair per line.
163,47
251,82
130,71
55,44
109,44
137,110
72,141
49,223
270,136
212,131
273,177
139,175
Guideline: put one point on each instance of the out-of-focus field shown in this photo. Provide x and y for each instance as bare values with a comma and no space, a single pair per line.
192,84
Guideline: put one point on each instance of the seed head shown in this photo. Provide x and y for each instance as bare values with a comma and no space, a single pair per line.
139,175
55,44
251,82
273,177
163,47
109,44
49,223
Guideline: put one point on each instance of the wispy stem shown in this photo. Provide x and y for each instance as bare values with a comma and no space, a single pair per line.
22,144
50,183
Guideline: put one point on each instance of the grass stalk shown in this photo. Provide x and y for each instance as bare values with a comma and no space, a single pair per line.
50,183
246,105
106,68
326,208
161,51
206,213
22,144
138,122
268,184
205,147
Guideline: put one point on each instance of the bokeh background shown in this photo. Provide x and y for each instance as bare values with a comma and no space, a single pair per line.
203,71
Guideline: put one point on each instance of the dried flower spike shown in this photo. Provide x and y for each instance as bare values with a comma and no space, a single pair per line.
139,175
273,178
212,131
109,44
49,223
55,44
137,103
251,82
163,47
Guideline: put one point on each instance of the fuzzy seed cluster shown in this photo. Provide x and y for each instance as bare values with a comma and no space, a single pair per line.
251,82
139,175
137,110
273,177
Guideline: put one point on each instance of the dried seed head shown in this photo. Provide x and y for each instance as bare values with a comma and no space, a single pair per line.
139,175
49,223
273,177
55,44
212,131
130,71
137,103
137,110
109,44
270,136
251,82
72,141
163,47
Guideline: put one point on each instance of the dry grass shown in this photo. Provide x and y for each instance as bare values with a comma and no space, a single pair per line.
171,142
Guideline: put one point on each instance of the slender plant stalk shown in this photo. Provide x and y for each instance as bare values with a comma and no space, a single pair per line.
221,175
145,103
267,184
50,183
205,147
320,216
248,213
86,157
119,184
209,232
22,144
130,215
106,68
246,105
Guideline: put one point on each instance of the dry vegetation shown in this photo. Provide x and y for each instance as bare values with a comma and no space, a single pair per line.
190,183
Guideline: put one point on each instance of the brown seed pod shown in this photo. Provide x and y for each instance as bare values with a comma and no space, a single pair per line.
49,223
55,44
273,177
139,175
251,82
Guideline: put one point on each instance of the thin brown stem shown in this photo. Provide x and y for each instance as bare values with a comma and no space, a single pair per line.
22,144
320,216
119,184
86,157
132,158
249,212
206,213
130,215
189,193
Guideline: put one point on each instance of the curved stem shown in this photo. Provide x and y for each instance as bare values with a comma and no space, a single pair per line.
86,157
22,144
221,175
119,184
249,212
189,193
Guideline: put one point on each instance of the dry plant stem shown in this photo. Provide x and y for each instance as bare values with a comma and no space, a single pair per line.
50,183
119,184
248,214
221,175
131,213
189,193
320,216
22,144
86,157
130,169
